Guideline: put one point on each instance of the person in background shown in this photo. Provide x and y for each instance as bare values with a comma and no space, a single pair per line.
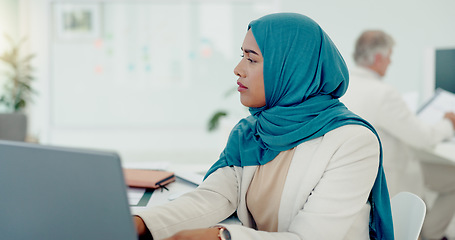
301,166
400,130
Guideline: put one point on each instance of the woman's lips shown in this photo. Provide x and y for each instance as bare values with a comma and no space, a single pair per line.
241,87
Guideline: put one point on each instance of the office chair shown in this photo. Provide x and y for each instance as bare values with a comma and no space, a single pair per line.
408,212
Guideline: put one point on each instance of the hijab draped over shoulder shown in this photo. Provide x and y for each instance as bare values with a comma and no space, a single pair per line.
304,76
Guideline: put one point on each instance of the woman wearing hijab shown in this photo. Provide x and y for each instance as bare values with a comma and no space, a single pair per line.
301,166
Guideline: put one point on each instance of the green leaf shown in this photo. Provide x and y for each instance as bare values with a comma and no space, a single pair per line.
215,120
19,105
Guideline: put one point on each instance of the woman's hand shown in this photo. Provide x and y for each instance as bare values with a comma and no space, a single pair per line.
140,225
196,234
451,117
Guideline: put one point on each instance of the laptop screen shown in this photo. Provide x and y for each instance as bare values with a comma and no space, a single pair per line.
61,193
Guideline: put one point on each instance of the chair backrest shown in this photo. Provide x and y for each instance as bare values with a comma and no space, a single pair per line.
408,212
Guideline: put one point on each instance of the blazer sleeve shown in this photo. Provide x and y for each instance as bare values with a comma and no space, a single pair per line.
212,202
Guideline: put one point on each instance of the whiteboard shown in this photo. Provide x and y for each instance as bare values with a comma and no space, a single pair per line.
123,64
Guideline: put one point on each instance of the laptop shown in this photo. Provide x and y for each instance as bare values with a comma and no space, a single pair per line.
52,193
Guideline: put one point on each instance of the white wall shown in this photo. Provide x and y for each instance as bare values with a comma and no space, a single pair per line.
175,142
415,25
9,25
9,21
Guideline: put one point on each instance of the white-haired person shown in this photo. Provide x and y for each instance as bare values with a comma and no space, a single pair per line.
400,131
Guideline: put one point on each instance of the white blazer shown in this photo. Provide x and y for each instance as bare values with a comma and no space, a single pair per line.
324,196
398,127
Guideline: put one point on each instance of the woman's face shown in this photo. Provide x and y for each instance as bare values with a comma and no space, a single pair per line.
251,76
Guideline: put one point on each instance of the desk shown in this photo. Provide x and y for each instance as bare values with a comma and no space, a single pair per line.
443,153
175,189
162,196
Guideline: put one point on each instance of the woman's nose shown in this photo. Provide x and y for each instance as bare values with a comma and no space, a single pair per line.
238,70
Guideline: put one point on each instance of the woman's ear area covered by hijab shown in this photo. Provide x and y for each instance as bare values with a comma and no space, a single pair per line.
300,60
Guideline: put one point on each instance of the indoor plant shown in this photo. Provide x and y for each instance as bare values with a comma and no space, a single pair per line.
17,77
216,117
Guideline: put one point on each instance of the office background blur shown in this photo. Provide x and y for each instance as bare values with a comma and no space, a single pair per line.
143,77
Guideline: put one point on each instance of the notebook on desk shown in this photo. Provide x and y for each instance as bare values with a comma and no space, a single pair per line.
61,193
146,178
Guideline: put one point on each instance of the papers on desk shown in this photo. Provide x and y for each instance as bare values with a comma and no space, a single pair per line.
140,198
192,177
434,109
188,178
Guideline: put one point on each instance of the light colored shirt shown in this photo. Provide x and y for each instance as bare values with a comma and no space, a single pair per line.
264,194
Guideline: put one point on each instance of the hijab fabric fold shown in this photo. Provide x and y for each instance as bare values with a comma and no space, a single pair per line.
304,75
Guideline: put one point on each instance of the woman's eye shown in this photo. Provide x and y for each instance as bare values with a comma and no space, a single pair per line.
249,59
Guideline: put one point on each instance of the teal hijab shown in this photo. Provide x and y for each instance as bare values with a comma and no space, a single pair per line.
304,75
